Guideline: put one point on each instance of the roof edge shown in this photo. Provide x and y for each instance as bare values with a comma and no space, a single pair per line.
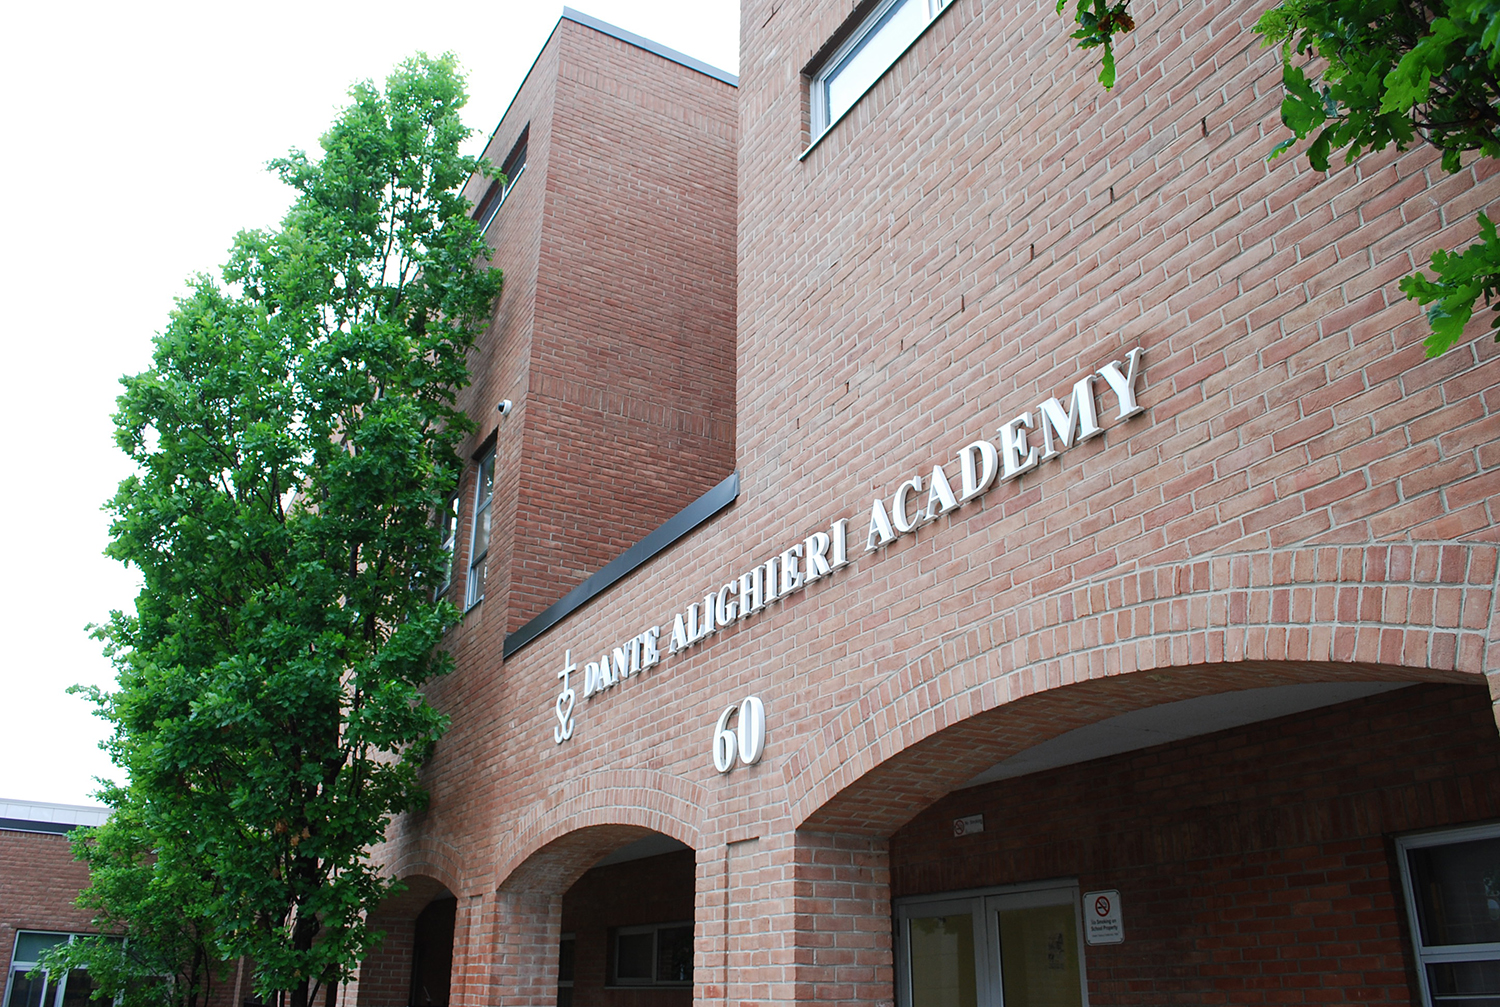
641,42
666,535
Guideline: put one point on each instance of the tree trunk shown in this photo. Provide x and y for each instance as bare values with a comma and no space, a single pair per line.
239,983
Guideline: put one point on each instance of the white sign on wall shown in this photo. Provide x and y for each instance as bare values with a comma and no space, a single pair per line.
1025,441
969,825
1101,918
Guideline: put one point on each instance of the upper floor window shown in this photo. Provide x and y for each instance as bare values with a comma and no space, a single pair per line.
479,539
1452,887
510,170
865,56
448,522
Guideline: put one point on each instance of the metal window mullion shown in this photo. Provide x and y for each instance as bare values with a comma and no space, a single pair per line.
1461,953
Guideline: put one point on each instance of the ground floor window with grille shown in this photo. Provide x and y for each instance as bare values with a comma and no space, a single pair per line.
1452,887
45,990
1020,947
660,955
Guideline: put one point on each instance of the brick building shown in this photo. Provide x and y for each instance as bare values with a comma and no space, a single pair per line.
954,535
39,881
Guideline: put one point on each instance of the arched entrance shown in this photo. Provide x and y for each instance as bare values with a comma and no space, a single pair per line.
627,927
413,967
1241,844
600,912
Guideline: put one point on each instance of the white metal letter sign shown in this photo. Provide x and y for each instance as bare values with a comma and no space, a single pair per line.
563,708
1026,440
746,741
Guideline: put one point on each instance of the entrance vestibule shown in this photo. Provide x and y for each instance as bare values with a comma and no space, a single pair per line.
1275,862
627,928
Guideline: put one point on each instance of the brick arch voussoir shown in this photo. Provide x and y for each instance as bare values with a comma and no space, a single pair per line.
418,890
554,842
428,857
1412,613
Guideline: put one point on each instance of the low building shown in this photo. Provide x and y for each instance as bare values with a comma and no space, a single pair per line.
39,886
958,536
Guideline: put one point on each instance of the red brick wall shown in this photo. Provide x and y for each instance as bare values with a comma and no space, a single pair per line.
1253,865
39,880
633,360
638,892
615,334
843,912
1305,499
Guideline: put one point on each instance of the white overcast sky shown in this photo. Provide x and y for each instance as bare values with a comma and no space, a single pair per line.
136,145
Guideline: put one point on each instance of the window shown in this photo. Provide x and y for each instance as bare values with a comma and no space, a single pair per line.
1021,947
1452,887
865,56
510,170
46,990
660,955
479,538
448,522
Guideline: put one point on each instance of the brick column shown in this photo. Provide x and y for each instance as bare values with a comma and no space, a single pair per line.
505,949
473,928
842,920
803,918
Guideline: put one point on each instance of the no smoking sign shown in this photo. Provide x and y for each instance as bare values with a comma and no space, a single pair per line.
1101,918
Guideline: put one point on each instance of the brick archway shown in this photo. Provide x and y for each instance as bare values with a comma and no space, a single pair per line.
1402,613
601,810
1081,655
385,974
550,848
420,854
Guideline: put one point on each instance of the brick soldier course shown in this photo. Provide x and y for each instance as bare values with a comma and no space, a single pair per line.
1304,500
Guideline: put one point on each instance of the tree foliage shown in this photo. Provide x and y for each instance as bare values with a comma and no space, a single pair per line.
1367,74
151,902
1362,75
1099,21
294,438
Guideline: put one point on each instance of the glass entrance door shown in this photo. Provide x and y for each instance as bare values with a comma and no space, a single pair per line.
1015,947
1038,944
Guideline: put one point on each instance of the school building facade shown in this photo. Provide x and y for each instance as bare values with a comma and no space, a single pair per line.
941,533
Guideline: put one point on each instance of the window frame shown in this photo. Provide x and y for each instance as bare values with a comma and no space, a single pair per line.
448,523
654,929
1439,953
511,169
984,904
474,586
869,28
53,992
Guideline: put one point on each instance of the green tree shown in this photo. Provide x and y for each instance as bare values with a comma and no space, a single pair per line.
151,904
294,439
1385,73
1362,75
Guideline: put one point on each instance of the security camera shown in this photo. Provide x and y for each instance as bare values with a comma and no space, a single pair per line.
505,406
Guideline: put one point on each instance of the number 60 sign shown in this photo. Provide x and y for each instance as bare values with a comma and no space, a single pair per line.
745,740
